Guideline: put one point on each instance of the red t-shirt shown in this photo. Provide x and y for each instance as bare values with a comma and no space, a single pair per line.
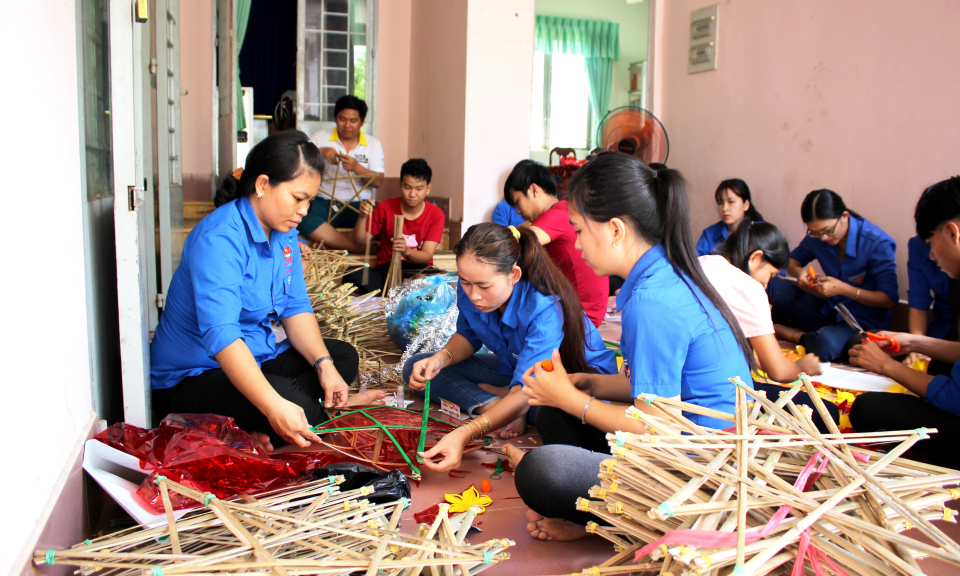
428,227
592,289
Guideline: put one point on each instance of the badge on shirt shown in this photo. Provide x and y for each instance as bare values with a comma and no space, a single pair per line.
857,279
287,255
626,368
361,158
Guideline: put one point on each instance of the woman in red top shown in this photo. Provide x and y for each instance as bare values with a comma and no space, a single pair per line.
530,188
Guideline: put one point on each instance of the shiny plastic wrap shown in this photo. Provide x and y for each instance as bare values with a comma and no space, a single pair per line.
208,453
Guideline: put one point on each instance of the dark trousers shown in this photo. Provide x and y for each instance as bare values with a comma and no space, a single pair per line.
825,337
552,477
378,275
879,411
772,392
290,374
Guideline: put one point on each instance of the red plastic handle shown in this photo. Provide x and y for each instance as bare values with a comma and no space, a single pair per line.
894,346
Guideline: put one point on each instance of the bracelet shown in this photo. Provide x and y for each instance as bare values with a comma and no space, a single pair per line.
857,297
316,365
478,427
449,353
583,413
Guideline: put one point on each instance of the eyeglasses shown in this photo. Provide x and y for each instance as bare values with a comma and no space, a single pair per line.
824,233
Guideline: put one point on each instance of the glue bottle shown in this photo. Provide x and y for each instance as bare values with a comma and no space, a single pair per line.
400,402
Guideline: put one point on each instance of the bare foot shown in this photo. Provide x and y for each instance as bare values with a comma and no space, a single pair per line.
554,528
513,454
262,440
515,428
366,398
787,333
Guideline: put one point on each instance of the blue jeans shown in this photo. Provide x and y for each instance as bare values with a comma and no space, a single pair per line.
458,382
824,336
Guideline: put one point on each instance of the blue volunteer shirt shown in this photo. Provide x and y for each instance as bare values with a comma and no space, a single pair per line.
869,265
675,342
529,330
944,391
928,285
230,284
713,235
506,215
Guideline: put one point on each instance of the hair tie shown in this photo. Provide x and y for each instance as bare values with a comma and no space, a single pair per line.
654,173
514,231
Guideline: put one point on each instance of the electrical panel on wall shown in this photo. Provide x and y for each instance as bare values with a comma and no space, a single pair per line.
703,39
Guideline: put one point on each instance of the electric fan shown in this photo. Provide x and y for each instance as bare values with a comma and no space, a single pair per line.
635,131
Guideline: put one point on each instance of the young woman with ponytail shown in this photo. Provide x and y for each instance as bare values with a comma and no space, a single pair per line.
859,271
680,340
740,270
735,204
513,299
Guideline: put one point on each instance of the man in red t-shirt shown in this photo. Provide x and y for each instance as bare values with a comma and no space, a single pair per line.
422,227
530,188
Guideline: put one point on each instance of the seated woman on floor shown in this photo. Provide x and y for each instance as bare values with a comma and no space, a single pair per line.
859,271
740,270
937,400
214,350
513,299
734,203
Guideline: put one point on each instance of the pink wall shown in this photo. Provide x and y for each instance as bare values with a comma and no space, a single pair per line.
393,82
196,106
438,58
498,91
855,96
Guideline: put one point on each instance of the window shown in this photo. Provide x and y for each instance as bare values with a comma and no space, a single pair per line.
335,34
561,103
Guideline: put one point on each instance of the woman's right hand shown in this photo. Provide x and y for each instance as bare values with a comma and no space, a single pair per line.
449,449
290,422
426,369
810,365
906,340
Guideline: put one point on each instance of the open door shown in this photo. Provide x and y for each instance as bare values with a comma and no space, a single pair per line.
131,225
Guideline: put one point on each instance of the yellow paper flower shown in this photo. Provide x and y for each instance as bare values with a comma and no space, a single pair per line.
470,497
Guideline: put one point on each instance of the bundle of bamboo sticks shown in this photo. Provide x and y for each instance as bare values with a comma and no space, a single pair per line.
305,530
770,491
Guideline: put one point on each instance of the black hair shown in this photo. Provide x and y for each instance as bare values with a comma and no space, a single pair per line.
496,245
937,204
654,204
751,236
416,168
739,188
657,166
525,174
823,205
350,102
281,156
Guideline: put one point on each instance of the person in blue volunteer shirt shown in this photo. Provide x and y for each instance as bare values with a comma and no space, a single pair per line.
935,402
506,215
215,350
513,299
859,271
929,285
680,340
734,203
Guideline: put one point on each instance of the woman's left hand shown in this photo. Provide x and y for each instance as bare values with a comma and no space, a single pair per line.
870,356
829,287
335,390
548,388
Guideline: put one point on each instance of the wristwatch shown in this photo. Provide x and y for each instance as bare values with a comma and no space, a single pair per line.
316,365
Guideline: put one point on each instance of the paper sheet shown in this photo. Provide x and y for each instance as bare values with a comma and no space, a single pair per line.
853,379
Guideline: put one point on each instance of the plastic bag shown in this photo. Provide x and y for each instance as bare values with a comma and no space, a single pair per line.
208,453
416,305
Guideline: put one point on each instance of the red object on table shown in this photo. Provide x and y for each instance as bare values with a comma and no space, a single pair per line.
208,453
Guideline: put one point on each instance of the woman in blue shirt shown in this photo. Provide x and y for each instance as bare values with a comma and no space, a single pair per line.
859,271
513,299
937,400
680,340
214,350
929,285
506,215
734,203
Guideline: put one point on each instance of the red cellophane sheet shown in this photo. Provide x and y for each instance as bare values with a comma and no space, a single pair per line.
208,453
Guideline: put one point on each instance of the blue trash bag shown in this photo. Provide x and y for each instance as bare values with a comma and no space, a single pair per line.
419,308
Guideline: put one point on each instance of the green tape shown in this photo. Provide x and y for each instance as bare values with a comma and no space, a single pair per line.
51,557
423,422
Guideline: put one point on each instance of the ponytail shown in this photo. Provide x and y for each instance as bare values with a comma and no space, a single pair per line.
497,246
281,157
654,204
752,236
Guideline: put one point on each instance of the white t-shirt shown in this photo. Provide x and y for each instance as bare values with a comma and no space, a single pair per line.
745,296
368,152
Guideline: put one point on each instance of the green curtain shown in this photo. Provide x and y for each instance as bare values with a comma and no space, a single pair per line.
599,44
243,16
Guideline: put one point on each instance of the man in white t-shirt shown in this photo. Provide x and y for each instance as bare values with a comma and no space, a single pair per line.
356,154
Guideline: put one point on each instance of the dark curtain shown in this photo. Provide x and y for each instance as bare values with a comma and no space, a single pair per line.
268,57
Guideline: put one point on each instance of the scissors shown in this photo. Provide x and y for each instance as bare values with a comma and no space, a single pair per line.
894,346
